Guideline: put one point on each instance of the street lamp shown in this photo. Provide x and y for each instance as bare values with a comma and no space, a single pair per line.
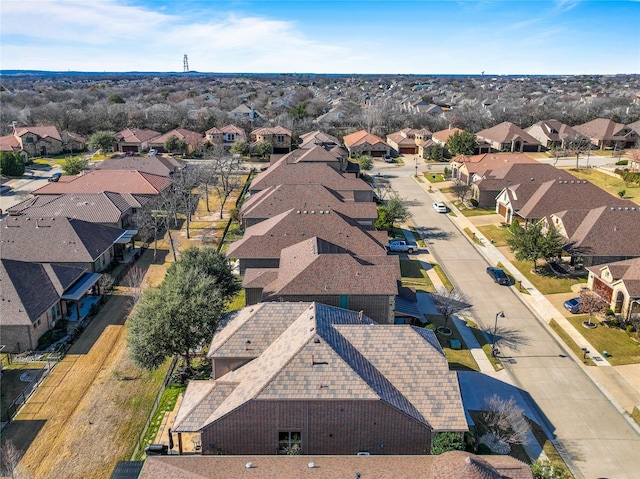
416,158
493,336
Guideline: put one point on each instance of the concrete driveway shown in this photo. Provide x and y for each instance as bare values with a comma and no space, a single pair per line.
592,434
21,188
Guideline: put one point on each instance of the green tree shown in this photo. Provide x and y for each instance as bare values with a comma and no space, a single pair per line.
365,162
102,140
181,315
532,244
397,210
74,165
240,147
461,143
11,164
171,144
262,149
182,147
116,98
383,222
299,112
447,441
544,469
435,153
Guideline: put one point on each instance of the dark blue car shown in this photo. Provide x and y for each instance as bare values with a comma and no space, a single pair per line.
498,275
572,305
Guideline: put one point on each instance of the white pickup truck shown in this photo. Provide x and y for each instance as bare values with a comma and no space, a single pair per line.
403,246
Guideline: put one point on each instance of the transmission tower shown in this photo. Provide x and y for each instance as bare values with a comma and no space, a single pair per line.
186,63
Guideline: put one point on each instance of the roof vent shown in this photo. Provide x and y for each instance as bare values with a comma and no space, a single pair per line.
298,211
304,212
311,465
249,465
313,212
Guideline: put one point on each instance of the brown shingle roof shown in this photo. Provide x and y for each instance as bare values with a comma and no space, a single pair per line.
600,128
506,131
117,181
41,131
156,165
191,137
136,135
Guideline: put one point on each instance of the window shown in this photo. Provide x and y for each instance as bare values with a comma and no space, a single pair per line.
280,138
289,442
28,139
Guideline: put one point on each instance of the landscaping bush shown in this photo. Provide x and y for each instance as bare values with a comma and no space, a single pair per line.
447,441
630,329
473,202
622,162
609,312
50,337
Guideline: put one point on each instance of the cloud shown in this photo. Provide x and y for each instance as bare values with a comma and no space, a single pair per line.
566,5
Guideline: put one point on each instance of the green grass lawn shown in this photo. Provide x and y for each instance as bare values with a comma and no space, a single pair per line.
620,347
546,282
434,177
238,300
569,342
484,344
473,237
443,277
459,359
468,212
414,276
499,234
608,183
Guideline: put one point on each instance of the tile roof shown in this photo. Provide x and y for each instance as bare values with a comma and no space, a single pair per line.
191,137
54,240
277,130
233,129
267,238
360,138
332,353
104,207
600,128
281,173
275,200
136,135
9,143
99,181
317,137
506,131
28,290
449,465
443,135
156,165
41,131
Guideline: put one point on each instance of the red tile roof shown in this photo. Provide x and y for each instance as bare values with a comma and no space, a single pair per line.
118,181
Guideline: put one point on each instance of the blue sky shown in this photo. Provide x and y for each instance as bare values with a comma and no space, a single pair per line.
331,36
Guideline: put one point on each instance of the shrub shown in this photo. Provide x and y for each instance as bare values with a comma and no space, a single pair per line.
622,162
608,312
621,193
50,337
447,441
473,202
630,329
484,450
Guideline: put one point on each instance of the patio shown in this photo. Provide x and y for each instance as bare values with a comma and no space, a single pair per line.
84,306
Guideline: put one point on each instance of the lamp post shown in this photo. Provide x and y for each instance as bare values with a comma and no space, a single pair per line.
493,336
416,158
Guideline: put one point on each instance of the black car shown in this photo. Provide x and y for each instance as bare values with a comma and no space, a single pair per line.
55,177
498,275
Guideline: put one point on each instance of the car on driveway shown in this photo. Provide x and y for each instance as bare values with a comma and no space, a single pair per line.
439,207
572,305
387,159
402,246
498,275
55,177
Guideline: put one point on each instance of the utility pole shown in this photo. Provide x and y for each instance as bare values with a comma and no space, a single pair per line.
185,62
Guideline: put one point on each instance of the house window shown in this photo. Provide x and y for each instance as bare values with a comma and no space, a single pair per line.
289,442
28,139
280,138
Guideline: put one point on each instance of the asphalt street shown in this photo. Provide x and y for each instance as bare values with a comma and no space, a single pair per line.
591,434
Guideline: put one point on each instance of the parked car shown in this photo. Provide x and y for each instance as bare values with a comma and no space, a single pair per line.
439,207
152,152
55,177
403,246
387,159
572,305
498,275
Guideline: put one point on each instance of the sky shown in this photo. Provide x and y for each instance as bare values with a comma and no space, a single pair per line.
333,36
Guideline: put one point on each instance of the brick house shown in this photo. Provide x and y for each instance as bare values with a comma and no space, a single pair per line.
552,133
278,137
406,140
325,381
261,245
312,198
34,297
508,137
618,283
364,143
465,168
193,139
40,141
135,140
318,270
225,136
605,133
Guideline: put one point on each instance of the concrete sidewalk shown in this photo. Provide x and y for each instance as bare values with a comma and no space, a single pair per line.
619,384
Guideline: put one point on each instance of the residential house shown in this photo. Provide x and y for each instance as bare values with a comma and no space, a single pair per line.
312,173
407,140
465,168
262,243
532,202
193,139
319,270
508,137
317,137
159,165
422,106
278,137
107,208
441,137
34,296
363,143
319,154
33,141
599,234
448,465
605,133
487,184
225,136
335,115
73,142
317,386
61,240
552,133
618,283
135,140
100,180
244,113
314,198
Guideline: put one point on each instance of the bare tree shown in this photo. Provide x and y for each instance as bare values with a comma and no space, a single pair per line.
461,190
226,177
591,303
504,419
185,185
577,144
10,460
133,281
449,303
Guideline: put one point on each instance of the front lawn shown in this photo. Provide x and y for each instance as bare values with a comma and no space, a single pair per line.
499,234
459,359
608,183
443,277
570,342
468,212
546,281
618,345
434,177
414,276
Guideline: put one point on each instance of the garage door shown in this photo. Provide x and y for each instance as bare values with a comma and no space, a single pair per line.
378,154
408,150
130,148
502,210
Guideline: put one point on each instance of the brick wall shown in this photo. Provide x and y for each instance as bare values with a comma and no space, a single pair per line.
326,427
